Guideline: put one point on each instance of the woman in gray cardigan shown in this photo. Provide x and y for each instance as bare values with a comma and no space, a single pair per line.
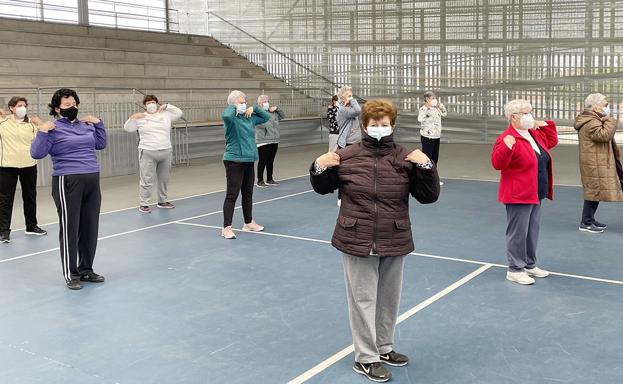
267,139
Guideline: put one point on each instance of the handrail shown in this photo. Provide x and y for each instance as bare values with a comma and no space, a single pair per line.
335,85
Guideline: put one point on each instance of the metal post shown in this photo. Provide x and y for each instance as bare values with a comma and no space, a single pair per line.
83,12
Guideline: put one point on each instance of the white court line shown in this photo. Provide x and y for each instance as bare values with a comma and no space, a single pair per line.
589,278
178,199
257,233
498,180
350,349
178,221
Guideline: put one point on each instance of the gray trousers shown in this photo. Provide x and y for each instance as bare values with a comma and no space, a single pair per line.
522,235
373,286
154,163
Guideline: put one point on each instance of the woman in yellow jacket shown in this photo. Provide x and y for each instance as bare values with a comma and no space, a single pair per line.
17,132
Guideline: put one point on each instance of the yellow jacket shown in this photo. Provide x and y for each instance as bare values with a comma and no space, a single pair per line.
15,139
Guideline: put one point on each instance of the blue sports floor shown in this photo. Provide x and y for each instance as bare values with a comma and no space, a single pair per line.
183,305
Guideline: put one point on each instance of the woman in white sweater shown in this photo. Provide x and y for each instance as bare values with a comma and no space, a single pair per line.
154,149
430,116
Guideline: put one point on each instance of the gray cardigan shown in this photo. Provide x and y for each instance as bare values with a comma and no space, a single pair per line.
268,133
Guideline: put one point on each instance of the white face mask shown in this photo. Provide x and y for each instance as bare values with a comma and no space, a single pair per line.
20,112
606,111
379,132
151,108
433,103
241,108
265,106
527,121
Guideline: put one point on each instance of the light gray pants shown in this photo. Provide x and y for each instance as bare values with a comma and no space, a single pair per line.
158,164
522,235
373,286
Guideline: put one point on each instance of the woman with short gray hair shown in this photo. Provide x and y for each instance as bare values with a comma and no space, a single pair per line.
600,165
348,113
267,136
429,116
239,157
522,155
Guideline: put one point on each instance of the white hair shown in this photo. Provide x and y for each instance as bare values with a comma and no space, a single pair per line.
515,106
592,100
233,96
261,99
343,90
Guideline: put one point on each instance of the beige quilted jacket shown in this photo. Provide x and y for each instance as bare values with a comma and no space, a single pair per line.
598,152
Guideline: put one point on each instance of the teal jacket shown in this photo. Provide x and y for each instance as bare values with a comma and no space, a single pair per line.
240,143
268,133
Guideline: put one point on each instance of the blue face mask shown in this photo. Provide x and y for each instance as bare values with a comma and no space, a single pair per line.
241,108
606,111
379,132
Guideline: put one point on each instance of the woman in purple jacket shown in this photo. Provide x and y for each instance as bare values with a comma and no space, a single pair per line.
72,142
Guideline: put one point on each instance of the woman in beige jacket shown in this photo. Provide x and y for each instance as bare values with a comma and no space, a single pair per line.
600,166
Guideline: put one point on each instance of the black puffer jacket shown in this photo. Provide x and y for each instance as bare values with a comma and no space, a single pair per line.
376,181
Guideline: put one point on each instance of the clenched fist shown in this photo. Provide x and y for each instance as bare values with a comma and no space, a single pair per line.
328,160
417,157
45,127
509,141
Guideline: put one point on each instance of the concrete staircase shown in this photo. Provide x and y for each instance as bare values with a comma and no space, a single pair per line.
37,54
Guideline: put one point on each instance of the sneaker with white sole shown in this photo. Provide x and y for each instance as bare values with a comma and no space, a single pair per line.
36,231
252,227
5,238
536,272
339,202
165,205
261,184
373,371
228,233
520,277
590,228
144,209
394,359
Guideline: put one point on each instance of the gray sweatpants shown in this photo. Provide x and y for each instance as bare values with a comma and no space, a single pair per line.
154,163
373,286
522,235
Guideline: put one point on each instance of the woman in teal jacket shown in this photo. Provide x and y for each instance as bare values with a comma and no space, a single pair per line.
240,154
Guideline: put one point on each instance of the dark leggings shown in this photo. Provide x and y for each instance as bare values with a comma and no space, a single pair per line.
588,212
240,177
430,147
8,184
267,155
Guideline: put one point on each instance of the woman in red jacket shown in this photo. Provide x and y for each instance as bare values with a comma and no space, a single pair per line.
522,155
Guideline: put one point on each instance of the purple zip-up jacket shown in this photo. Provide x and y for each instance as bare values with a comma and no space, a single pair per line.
71,145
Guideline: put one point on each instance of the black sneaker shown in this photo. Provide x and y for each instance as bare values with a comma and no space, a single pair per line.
599,225
4,238
36,231
590,228
395,359
92,277
272,182
261,184
74,284
373,371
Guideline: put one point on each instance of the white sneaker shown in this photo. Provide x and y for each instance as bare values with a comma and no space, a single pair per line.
441,183
339,202
537,272
252,227
228,233
520,277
